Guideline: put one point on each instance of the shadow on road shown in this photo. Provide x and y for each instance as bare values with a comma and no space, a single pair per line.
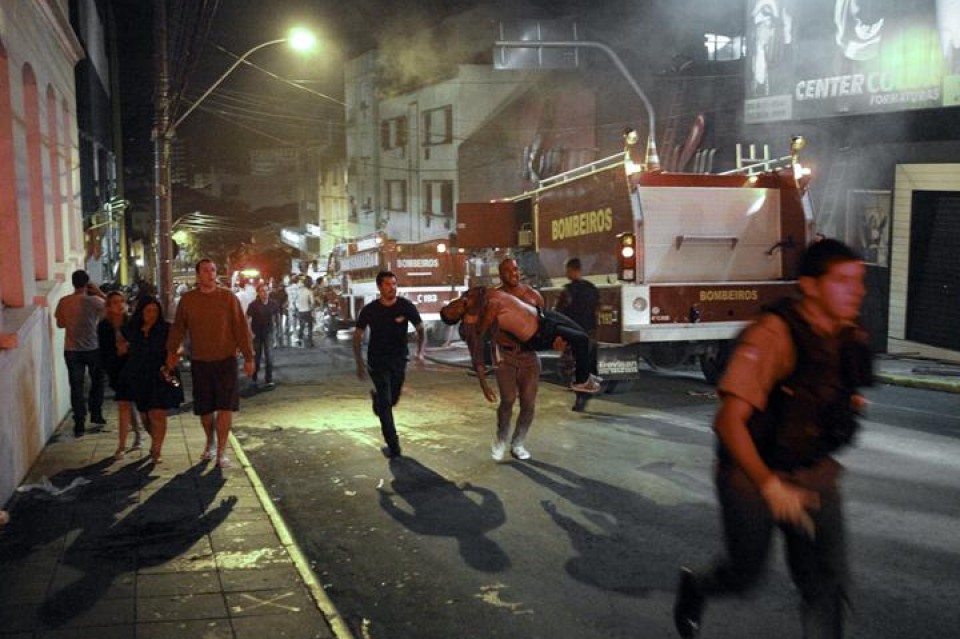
621,538
442,509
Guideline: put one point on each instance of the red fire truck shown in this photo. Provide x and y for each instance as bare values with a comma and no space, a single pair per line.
682,260
430,274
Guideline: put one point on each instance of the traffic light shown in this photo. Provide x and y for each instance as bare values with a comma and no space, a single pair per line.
627,257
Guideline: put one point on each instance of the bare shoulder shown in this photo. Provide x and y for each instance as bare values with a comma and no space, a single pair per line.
531,296
523,292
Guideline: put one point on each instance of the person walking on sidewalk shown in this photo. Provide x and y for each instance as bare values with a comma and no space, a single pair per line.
291,287
789,399
78,314
579,302
261,313
212,317
388,318
278,295
112,334
153,384
304,305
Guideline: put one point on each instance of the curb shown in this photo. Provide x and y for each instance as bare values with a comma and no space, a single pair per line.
339,627
947,386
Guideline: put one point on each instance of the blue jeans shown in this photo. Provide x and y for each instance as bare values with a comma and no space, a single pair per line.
78,364
305,325
388,378
263,352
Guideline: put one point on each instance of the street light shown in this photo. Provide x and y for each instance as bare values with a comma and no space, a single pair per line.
300,39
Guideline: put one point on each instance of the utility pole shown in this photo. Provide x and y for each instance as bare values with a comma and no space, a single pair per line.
119,192
161,161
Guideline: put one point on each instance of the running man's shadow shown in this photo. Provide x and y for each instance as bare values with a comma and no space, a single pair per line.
625,543
435,506
162,528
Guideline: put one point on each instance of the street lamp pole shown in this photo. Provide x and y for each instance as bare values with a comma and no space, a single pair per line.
163,136
652,161
219,81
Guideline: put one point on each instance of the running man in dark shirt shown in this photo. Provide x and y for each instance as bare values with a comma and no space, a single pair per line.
388,318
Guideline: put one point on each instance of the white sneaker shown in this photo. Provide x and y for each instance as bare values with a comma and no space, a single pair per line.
498,450
588,386
520,452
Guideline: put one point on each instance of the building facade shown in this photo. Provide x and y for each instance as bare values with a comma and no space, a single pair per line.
480,134
41,213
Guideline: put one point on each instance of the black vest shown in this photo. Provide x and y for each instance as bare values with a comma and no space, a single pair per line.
809,413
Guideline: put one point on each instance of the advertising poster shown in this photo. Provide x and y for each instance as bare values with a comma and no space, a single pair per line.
820,58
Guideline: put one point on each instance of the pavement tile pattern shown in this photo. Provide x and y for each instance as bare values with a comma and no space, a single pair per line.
106,548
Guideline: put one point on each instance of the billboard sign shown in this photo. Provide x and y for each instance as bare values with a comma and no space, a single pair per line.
537,57
820,58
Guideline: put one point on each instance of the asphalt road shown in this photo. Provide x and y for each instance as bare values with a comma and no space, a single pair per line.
584,541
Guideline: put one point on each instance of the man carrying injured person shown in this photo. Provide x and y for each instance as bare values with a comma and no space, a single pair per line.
519,325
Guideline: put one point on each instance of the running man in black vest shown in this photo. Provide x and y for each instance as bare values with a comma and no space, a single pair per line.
789,399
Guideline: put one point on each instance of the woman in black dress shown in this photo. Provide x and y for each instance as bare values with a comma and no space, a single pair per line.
151,392
112,333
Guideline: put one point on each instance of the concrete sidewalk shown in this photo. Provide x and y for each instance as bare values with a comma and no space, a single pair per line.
129,549
902,370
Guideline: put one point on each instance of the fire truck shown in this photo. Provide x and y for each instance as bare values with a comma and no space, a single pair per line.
682,261
430,274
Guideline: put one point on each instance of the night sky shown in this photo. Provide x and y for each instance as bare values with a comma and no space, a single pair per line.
256,110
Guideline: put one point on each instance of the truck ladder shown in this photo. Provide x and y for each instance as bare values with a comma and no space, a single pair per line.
833,205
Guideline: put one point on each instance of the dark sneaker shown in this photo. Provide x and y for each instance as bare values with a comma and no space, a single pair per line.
79,430
580,404
98,419
390,451
688,606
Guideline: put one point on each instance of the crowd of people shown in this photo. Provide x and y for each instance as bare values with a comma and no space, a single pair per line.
788,400
301,306
118,337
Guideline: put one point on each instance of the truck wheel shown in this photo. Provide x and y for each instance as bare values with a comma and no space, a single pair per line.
713,361
668,355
